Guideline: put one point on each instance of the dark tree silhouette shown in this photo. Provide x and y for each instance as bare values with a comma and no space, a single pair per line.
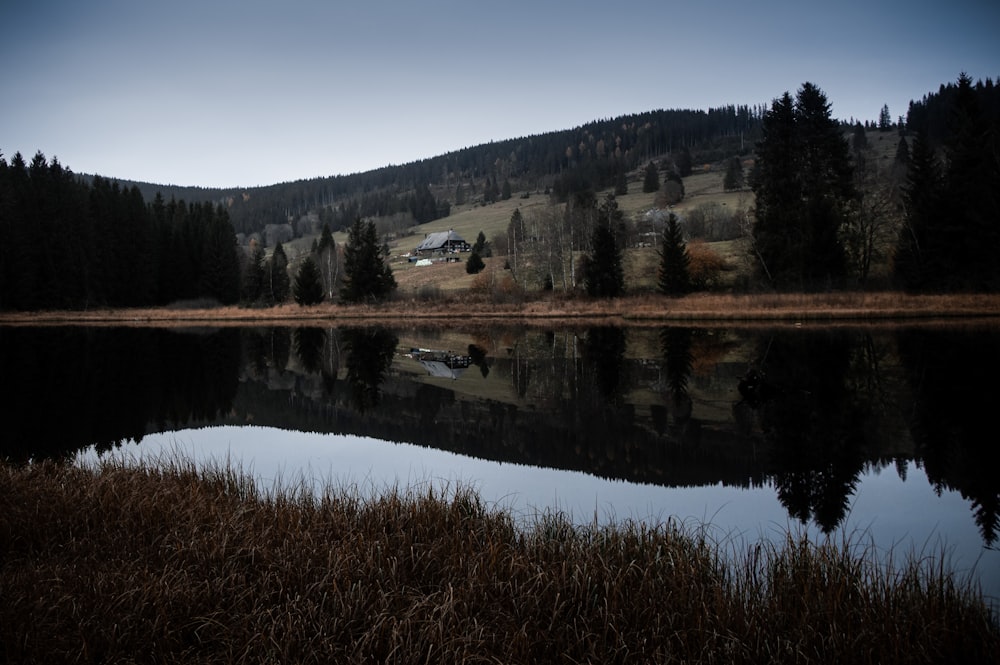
674,277
803,183
651,180
367,277
604,275
278,284
308,287
474,264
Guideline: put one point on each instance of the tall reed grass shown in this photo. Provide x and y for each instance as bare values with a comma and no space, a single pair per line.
165,563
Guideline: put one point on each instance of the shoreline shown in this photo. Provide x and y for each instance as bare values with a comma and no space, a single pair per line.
799,309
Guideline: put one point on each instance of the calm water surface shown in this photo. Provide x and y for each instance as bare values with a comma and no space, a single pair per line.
874,434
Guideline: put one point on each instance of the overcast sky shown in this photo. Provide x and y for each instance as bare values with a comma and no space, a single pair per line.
247,92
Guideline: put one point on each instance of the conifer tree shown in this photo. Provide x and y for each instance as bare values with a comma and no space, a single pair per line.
220,273
367,277
803,183
474,264
651,181
254,276
604,275
308,287
733,179
674,274
278,283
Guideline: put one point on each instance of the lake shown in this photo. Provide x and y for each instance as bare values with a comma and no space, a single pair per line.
884,435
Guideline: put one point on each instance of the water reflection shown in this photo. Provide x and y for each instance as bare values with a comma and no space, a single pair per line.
369,355
954,377
652,407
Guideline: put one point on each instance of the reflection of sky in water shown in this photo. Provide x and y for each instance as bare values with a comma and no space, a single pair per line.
907,516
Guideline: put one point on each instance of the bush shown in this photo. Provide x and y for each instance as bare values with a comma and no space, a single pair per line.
705,267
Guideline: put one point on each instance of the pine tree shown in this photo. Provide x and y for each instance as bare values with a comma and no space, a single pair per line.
621,183
367,277
254,276
674,274
803,182
220,272
604,275
278,284
884,119
651,181
308,288
733,179
474,264
972,187
915,260
482,245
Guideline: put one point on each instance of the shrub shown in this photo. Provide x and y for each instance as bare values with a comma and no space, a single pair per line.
705,267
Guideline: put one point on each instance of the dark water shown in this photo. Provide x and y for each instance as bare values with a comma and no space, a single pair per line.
885,436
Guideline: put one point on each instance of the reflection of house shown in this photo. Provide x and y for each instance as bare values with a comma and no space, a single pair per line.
443,364
443,242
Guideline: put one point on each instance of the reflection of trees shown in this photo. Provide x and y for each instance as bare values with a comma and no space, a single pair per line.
479,359
99,386
813,424
676,346
369,355
308,345
266,348
953,375
604,352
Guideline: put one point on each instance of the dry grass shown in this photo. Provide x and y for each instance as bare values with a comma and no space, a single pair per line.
166,564
471,307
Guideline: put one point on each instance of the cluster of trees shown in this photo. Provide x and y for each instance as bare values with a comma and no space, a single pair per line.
803,182
357,273
541,249
75,243
78,243
950,240
823,216
825,212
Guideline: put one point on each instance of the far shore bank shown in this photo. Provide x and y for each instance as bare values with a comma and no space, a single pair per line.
825,308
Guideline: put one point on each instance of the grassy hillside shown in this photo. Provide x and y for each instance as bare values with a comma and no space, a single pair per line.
703,188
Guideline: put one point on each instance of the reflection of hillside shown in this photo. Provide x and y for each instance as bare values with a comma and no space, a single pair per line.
607,443
579,401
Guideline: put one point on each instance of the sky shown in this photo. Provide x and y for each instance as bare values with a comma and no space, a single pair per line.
243,93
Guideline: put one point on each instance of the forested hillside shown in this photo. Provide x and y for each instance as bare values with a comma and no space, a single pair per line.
825,212
590,155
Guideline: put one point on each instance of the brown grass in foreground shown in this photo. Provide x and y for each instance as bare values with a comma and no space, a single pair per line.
166,564
471,307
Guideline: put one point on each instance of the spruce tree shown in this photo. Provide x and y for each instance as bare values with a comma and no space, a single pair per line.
367,277
733,179
474,264
651,181
254,277
803,182
308,288
278,284
971,239
604,275
674,274
917,257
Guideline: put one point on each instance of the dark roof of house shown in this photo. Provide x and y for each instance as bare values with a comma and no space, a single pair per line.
439,240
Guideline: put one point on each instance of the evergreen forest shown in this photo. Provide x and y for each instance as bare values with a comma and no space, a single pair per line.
824,214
